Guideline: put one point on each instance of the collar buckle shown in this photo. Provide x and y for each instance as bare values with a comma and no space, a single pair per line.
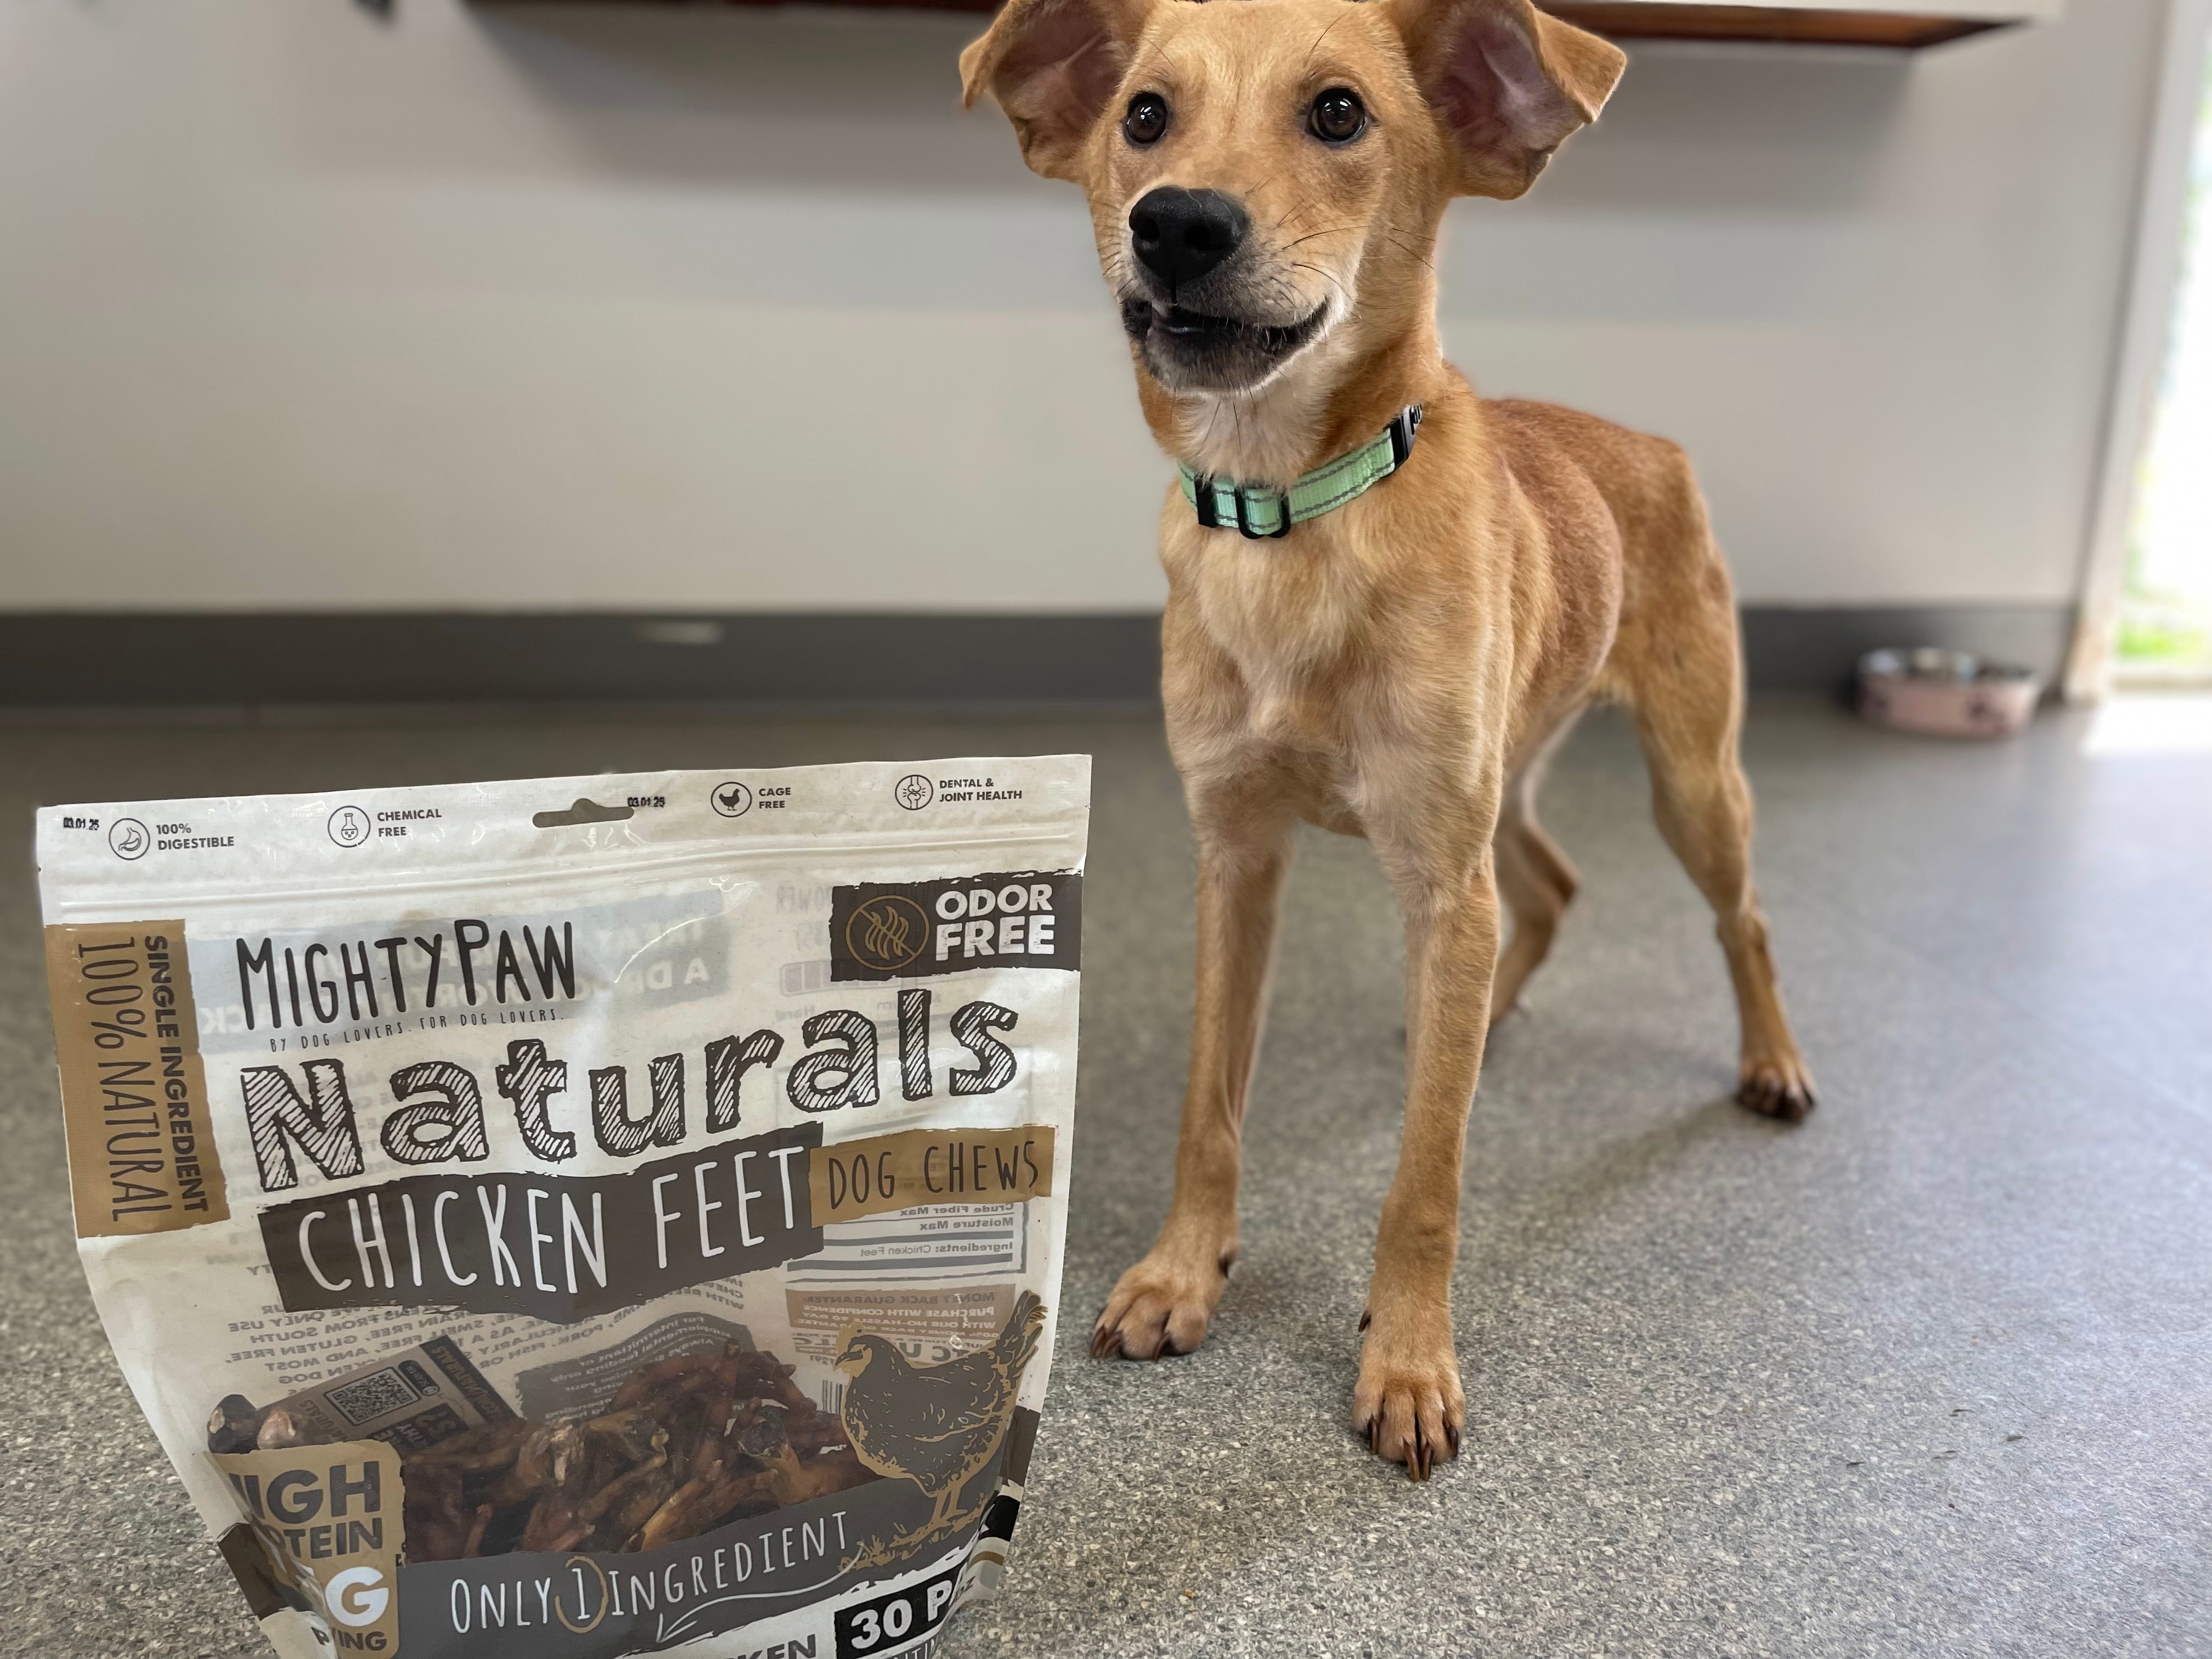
1244,520
1202,501
1402,428
1208,506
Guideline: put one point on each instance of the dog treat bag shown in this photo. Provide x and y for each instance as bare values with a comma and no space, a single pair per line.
587,1216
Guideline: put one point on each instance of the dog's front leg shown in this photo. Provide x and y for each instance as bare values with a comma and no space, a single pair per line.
1408,1401
1163,1304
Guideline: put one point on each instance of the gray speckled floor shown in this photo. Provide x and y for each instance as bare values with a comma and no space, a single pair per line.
1931,1375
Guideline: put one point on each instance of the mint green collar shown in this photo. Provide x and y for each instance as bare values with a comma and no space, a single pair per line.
1257,510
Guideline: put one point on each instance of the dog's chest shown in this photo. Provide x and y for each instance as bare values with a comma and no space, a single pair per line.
1289,622
1301,662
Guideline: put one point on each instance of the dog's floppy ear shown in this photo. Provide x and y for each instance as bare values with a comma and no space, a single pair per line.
1508,83
1052,65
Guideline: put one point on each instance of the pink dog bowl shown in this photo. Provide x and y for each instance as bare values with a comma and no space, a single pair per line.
1945,694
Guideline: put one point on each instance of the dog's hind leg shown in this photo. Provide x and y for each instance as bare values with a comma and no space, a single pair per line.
1163,1305
1533,878
1688,705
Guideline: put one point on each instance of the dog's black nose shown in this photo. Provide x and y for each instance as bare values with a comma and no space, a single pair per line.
1181,235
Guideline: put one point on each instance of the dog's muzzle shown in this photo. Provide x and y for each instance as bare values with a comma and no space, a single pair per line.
1190,309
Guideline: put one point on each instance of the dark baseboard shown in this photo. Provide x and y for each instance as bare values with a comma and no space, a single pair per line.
132,659
1816,648
333,659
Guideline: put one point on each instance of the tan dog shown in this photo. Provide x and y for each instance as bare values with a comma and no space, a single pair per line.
1267,180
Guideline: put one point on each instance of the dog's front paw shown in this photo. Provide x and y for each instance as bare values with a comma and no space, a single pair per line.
1408,1402
1778,1086
1162,1305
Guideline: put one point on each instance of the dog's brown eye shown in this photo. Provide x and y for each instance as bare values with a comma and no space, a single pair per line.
1338,115
1147,119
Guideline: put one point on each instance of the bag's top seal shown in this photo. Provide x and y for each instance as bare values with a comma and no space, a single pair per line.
94,857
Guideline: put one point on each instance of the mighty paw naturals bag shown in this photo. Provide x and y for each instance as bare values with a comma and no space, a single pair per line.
585,1217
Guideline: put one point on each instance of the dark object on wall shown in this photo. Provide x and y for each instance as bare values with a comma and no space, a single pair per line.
1633,20
1624,20
140,659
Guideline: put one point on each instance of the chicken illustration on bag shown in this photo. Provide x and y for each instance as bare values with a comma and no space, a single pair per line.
936,1425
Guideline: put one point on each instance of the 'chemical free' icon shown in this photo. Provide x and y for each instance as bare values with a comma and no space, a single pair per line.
128,839
914,792
349,826
731,799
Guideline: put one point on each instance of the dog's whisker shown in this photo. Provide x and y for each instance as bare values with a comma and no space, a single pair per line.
1318,38
1412,253
1296,210
1312,235
1327,277
1398,234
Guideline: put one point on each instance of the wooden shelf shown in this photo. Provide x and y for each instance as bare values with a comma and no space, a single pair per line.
1894,23
1694,19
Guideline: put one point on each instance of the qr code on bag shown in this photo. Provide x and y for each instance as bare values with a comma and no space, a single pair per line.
378,1394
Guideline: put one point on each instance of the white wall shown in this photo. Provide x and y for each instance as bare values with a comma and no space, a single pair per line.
572,307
